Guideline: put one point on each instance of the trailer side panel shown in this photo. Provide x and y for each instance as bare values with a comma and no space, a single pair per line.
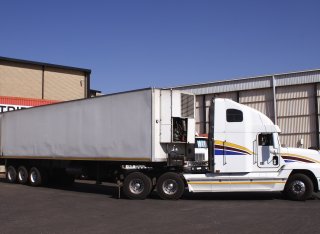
114,127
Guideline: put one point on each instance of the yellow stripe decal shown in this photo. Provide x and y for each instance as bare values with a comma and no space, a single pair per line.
237,182
300,156
218,142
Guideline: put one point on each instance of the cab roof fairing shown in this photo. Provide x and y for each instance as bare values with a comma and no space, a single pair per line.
254,120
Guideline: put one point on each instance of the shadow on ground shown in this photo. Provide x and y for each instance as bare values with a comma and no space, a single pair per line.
84,186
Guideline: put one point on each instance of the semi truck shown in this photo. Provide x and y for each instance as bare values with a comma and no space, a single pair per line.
144,141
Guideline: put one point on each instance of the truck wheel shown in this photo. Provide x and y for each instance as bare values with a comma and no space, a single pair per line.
11,174
170,186
299,187
22,175
137,185
35,177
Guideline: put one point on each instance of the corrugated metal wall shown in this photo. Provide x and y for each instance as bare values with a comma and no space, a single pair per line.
318,112
259,99
200,124
297,78
297,102
229,86
297,112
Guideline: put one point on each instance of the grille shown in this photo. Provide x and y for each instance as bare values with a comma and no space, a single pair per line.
199,157
187,106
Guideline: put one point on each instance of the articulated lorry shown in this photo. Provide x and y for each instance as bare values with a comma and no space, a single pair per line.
144,140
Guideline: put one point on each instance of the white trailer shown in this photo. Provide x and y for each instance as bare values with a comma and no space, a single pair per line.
100,138
144,139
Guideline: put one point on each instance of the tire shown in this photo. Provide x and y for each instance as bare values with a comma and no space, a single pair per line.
23,175
299,187
11,174
137,185
170,186
36,178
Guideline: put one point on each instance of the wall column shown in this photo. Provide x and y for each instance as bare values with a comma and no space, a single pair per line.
274,100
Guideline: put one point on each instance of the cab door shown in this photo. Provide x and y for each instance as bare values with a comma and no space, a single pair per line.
268,150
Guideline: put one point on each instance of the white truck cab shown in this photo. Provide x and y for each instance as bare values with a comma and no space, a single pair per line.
245,155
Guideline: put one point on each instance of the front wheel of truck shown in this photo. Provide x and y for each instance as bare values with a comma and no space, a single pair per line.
137,185
170,186
299,187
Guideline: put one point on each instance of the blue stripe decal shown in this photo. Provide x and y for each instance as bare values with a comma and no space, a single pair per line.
227,152
289,161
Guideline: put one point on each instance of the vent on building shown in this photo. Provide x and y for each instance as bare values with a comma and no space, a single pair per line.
187,106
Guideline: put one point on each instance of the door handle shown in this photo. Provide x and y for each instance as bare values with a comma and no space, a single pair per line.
273,151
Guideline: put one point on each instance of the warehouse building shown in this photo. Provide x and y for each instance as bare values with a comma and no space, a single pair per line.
25,84
291,100
42,81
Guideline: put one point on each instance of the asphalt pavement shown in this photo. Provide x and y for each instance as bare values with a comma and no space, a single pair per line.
89,208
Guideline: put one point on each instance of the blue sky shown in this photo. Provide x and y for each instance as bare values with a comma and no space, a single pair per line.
131,44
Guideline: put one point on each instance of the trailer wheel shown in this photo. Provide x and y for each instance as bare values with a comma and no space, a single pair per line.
11,174
22,175
36,178
170,186
137,185
299,187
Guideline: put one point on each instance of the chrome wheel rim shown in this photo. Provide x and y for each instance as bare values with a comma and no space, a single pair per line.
33,177
170,187
10,174
136,186
22,175
298,187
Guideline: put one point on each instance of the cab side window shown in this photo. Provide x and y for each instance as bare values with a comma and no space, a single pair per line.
265,139
234,115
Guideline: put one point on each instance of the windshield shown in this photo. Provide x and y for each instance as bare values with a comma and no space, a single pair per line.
201,143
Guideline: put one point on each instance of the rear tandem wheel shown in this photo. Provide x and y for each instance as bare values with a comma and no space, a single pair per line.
137,185
170,186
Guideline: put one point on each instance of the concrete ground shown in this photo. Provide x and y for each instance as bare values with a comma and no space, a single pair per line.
89,208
